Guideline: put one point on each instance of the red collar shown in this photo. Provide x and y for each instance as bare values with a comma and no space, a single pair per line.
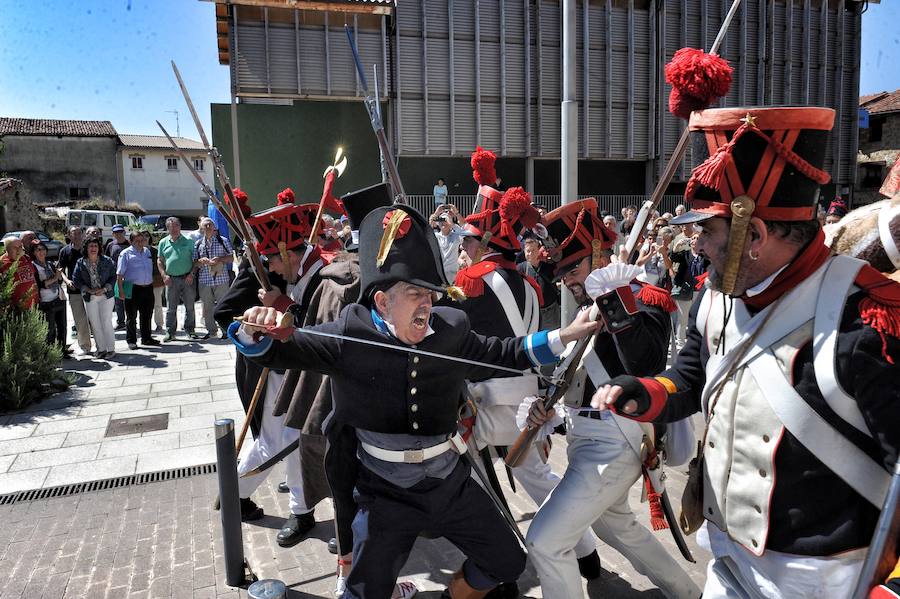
807,262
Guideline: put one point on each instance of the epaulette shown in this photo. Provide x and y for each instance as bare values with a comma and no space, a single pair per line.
651,295
880,309
470,278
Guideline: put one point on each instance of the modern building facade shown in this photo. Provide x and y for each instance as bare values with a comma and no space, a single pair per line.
454,74
154,176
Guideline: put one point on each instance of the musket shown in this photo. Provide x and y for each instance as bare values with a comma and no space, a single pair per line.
381,159
558,386
881,558
243,229
377,126
676,158
206,189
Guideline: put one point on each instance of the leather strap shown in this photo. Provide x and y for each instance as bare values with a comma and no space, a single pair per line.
520,325
840,274
841,456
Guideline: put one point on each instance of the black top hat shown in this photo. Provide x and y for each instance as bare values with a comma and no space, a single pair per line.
772,155
361,202
397,244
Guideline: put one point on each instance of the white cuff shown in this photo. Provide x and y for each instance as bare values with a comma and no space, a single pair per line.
555,343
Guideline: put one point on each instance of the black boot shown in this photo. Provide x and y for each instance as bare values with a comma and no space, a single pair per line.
295,529
589,566
249,510
505,590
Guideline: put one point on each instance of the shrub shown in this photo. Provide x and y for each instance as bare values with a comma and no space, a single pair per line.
27,364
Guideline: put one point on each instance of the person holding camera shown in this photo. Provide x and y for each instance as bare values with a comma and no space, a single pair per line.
448,233
52,300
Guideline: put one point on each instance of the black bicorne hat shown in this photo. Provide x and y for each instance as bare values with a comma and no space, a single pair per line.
361,202
397,244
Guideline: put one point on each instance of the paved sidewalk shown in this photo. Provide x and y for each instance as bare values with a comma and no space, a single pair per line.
63,440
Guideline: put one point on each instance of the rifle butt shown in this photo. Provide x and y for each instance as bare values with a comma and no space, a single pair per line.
516,453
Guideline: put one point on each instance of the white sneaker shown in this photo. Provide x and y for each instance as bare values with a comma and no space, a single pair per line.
405,590
340,586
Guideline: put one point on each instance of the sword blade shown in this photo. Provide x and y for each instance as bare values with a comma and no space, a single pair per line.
507,515
274,459
660,487
190,104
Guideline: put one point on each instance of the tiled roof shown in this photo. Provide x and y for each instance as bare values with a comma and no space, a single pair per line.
158,141
881,102
14,126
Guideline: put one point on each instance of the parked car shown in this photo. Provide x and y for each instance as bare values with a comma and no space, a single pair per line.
157,221
105,219
53,246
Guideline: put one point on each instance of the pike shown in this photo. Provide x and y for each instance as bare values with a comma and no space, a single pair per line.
375,118
206,189
242,229
640,222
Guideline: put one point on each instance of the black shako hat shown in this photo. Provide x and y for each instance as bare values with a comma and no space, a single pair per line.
397,244
361,202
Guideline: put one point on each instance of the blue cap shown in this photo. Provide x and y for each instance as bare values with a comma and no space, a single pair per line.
117,228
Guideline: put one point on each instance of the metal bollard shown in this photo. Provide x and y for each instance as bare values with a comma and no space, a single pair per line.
230,501
268,588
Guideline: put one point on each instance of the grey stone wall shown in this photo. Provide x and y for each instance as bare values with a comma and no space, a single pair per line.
49,166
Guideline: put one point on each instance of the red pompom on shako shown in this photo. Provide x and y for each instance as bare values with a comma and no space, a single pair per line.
506,222
243,201
698,79
483,166
286,196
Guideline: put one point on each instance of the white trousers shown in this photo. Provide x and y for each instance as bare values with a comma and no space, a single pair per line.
99,313
594,493
273,437
158,319
735,573
533,474
684,307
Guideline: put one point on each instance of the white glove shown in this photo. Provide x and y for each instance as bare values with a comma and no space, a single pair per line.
605,280
522,417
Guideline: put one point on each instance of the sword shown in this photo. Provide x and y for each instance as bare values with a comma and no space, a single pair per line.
401,348
485,484
657,481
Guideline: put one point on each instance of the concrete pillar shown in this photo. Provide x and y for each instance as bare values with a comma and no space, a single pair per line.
569,189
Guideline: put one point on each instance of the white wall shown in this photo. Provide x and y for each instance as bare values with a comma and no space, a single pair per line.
159,190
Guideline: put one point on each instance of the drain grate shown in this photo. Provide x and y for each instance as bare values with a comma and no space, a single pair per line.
137,424
110,483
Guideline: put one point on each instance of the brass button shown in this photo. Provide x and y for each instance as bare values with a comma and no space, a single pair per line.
610,312
606,301
413,374
762,473
766,438
758,509
414,407
412,391
415,426
415,359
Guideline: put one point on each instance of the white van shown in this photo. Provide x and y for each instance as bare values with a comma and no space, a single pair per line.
99,218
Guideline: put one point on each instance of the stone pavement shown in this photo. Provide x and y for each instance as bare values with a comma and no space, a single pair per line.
162,539
63,440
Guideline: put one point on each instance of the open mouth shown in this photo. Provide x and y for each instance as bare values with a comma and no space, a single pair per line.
420,321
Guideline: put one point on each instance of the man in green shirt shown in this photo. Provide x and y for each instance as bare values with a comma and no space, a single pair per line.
176,265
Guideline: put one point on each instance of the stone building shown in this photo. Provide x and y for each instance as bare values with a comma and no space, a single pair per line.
60,160
879,143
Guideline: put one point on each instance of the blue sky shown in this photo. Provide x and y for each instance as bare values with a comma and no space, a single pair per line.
109,59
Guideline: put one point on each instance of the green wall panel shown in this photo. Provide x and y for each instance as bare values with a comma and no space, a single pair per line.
290,146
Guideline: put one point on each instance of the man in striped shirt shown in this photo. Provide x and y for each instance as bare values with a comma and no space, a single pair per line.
212,260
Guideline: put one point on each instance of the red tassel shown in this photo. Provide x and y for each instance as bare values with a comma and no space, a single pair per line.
880,309
698,78
657,516
656,296
483,166
701,280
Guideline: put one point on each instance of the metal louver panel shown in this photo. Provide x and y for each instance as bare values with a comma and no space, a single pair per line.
312,72
412,138
251,57
439,124
282,59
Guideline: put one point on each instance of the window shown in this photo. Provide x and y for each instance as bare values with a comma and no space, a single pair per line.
875,129
137,162
198,164
172,163
90,219
871,176
123,220
78,193
109,220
